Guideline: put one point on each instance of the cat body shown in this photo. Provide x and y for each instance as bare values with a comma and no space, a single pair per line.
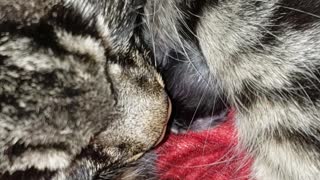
260,57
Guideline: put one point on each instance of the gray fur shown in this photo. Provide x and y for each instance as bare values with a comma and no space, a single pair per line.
264,59
76,95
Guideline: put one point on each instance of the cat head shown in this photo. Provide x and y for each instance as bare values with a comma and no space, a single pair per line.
76,90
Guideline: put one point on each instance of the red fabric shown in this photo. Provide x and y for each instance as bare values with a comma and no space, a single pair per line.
203,155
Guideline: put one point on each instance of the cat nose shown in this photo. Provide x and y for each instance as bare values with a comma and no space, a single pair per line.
166,123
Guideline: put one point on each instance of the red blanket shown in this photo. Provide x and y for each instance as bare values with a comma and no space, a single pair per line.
203,155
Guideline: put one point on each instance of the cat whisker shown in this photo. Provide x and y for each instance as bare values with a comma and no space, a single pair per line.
299,10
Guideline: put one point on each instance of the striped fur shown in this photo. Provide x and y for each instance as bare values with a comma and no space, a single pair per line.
259,56
77,98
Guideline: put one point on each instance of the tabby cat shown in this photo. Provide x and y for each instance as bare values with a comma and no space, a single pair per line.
77,98
261,57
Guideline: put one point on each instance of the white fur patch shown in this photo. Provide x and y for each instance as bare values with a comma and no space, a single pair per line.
82,45
47,159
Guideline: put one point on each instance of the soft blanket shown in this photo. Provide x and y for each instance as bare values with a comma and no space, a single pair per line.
203,155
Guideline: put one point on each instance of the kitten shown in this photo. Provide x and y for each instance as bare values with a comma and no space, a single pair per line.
77,97
261,57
